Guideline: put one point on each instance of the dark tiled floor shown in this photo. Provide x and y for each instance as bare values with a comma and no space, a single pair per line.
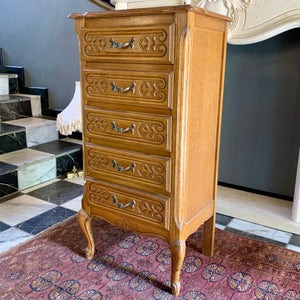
57,147
45,220
58,192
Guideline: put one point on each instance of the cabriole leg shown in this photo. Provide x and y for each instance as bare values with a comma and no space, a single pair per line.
177,249
84,222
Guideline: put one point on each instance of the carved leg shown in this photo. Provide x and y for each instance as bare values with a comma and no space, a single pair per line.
84,222
209,237
177,252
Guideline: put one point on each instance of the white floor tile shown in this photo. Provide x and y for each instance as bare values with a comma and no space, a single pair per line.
22,208
260,230
12,237
292,247
74,204
220,226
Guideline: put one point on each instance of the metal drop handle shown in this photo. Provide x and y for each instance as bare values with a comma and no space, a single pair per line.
121,90
114,44
121,169
118,129
115,201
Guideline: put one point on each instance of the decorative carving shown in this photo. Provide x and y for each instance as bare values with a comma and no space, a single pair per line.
235,10
150,131
153,89
96,85
149,209
152,210
150,43
148,171
154,43
94,43
151,172
98,160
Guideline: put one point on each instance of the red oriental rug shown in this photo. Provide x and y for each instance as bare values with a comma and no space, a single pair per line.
133,266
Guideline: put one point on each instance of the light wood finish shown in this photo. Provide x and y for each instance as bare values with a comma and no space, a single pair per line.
151,147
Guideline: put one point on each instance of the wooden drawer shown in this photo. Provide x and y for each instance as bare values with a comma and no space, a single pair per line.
148,89
120,128
142,206
146,172
129,44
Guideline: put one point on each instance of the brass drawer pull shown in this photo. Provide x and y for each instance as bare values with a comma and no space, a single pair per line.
118,129
115,201
121,90
121,169
119,45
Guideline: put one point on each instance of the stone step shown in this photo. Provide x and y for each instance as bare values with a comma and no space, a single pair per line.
25,168
38,130
8,84
18,106
12,138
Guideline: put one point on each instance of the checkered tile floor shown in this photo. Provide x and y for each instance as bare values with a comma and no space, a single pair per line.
33,210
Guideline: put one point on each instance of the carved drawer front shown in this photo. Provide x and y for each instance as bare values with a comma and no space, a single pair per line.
143,206
150,89
146,172
148,44
131,128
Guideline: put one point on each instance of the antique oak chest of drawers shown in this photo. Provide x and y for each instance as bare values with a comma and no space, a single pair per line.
152,84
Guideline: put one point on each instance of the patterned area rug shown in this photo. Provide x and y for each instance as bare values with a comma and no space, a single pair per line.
132,266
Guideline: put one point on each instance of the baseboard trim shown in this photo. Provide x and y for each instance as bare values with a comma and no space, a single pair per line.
255,191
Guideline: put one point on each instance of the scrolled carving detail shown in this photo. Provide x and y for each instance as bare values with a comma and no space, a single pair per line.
151,131
148,209
153,210
94,43
97,160
153,89
235,10
95,85
96,123
151,172
154,43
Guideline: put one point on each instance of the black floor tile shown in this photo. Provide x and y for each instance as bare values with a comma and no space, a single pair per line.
58,192
295,240
45,220
3,226
255,237
222,219
65,163
57,147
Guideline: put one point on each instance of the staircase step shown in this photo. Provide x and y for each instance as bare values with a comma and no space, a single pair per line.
67,155
8,179
38,130
25,168
35,101
14,107
33,166
12,138
8,84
